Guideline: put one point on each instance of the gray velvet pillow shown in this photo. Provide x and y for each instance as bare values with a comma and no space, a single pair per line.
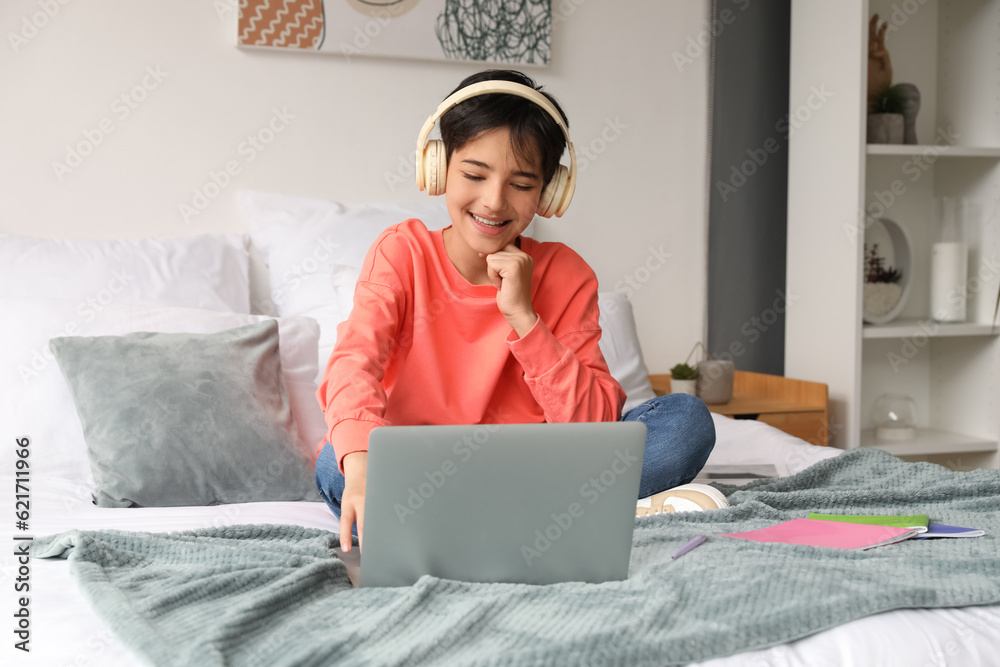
186,419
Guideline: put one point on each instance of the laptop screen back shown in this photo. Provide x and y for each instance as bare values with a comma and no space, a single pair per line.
524,503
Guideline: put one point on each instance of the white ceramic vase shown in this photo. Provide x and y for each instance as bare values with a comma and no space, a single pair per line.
683,387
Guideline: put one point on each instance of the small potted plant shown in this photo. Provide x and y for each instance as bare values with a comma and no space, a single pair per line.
885,116
683,379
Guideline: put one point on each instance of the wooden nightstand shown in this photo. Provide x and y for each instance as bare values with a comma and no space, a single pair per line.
797,407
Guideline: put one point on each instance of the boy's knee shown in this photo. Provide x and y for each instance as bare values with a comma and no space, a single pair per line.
701,426
685,403
688,401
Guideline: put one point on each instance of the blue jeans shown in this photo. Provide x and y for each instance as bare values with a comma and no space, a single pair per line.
329,480
680,435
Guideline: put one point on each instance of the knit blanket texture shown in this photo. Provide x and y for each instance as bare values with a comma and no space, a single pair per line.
277,595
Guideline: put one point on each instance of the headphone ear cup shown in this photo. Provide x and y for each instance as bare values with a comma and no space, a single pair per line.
551,200
435,167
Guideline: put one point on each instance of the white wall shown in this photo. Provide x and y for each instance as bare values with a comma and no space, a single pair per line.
351,123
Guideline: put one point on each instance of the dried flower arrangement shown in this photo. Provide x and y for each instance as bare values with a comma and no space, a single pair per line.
875,269
882,289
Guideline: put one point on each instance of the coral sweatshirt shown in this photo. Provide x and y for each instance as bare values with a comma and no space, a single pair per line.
424,346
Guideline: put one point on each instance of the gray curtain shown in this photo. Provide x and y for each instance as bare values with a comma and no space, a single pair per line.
748,183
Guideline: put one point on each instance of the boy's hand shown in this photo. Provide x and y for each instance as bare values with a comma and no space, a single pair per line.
352,504
510,272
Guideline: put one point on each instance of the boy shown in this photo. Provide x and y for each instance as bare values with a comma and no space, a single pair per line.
476,324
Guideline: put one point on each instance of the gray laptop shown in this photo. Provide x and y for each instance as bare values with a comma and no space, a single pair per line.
520,503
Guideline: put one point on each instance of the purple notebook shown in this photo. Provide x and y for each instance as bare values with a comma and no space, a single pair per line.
941,530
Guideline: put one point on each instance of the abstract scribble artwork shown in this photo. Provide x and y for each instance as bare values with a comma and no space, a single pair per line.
494,31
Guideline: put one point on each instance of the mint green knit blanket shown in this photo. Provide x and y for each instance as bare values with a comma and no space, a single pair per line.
275,595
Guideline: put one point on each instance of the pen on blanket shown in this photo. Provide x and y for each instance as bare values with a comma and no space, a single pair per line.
694,543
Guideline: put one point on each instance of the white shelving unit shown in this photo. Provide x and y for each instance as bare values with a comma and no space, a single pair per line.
920,150
949,49
930,442
915,329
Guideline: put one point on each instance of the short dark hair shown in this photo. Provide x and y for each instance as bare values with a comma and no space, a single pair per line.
531,127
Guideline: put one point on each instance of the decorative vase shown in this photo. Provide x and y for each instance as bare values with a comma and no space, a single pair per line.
879,299
883,302
684,387
894,417
715,381
949,263
885,128
911,105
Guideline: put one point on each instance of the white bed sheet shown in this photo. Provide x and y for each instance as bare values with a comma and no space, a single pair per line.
65,631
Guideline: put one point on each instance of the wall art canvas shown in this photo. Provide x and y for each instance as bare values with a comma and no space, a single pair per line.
491,31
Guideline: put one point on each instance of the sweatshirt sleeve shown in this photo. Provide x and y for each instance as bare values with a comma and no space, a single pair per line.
563,364
351,391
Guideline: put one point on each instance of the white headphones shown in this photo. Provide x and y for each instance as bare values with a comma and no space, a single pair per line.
432,161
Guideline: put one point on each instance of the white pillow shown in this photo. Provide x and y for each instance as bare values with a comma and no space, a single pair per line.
35,400
207,271
748,441
620,346
314,249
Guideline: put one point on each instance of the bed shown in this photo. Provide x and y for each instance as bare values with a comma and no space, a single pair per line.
53,409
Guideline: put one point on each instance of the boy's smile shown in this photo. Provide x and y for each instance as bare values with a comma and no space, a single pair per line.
492,197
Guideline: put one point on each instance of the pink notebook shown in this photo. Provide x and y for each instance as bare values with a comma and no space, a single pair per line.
836,534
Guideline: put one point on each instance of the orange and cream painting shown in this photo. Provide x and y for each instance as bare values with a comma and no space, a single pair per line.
495,31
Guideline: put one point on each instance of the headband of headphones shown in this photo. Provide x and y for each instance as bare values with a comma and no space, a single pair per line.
431,162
